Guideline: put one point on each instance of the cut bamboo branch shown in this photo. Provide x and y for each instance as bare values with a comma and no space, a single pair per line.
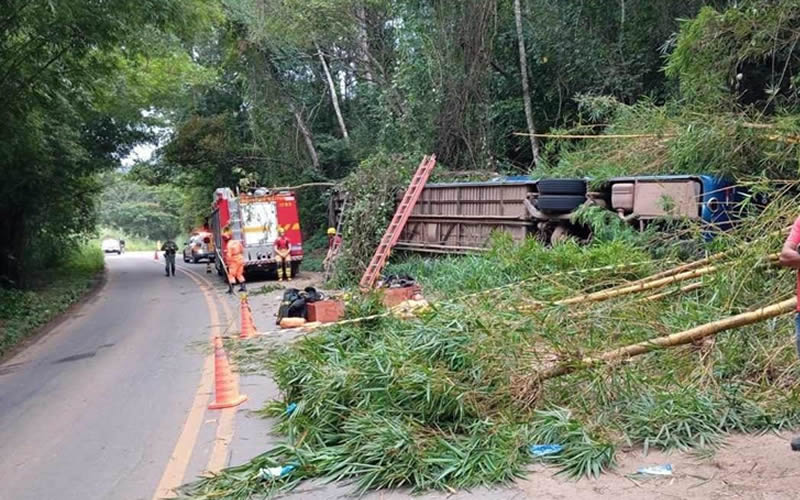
604,136
640,287
662,295
702,262
691,265
615,267
673,340
619,291
306,185
637,286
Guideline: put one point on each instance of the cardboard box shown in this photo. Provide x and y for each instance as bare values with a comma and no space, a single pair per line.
394,296
325,311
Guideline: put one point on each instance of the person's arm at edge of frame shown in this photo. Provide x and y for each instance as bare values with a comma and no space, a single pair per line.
789,257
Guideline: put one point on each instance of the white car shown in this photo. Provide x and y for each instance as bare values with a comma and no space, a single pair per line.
110,245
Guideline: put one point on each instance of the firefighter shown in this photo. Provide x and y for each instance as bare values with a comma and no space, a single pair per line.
170,248
282,252
334,242
234,260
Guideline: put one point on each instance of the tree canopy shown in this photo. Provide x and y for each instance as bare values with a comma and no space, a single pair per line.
243,92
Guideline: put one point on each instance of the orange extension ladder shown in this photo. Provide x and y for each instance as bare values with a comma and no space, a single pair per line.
399,220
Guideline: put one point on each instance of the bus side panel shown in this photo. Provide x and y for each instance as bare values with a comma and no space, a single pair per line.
289,220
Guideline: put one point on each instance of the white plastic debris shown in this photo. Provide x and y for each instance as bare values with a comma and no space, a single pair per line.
656,470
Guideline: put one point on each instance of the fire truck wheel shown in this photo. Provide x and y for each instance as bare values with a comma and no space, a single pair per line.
561,186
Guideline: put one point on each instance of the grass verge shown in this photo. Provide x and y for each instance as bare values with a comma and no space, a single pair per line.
54,290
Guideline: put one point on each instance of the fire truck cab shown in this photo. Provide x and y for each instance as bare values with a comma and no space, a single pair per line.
254,219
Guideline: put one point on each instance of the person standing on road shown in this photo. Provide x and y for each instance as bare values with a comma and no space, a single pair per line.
234,260
170,248
282,253
790,257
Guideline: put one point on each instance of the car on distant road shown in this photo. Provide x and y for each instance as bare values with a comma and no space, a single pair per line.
111,245
199,247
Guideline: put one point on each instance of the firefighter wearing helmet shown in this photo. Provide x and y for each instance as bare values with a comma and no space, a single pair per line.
334,242
282,251
234,260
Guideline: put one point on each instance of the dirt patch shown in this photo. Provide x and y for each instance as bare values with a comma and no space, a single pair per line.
745,467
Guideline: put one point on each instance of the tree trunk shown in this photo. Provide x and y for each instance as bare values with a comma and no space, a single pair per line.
12,248
526,94
363,41
298,115
334,95
306,132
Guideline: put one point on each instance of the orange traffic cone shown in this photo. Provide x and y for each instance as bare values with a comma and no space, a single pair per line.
248,327
226,390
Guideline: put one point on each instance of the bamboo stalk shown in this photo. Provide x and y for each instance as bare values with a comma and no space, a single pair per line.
638,287
659,296
604,136
613,267
646,285
675,339
308,184
694,265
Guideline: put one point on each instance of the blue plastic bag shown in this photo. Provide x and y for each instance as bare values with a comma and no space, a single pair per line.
542,450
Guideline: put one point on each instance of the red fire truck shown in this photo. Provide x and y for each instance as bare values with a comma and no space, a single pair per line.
254,218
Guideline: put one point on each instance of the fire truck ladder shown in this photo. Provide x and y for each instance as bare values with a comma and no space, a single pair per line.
399,220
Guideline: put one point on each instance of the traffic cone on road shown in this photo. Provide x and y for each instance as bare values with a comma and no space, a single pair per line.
248,327
226,391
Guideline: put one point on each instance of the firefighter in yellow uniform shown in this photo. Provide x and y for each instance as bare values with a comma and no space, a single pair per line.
282,252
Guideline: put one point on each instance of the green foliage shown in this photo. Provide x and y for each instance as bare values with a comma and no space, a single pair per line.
721,57
583,455
507,263
22,312
371,191
446,400
75,84
149,212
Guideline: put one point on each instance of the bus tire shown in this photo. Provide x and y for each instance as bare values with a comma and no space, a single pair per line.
562,186
559,204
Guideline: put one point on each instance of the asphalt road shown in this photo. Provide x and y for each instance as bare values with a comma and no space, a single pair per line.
111,404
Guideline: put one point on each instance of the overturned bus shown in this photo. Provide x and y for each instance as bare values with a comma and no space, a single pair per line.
460,217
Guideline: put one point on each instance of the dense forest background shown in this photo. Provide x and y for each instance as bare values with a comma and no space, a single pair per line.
283,92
